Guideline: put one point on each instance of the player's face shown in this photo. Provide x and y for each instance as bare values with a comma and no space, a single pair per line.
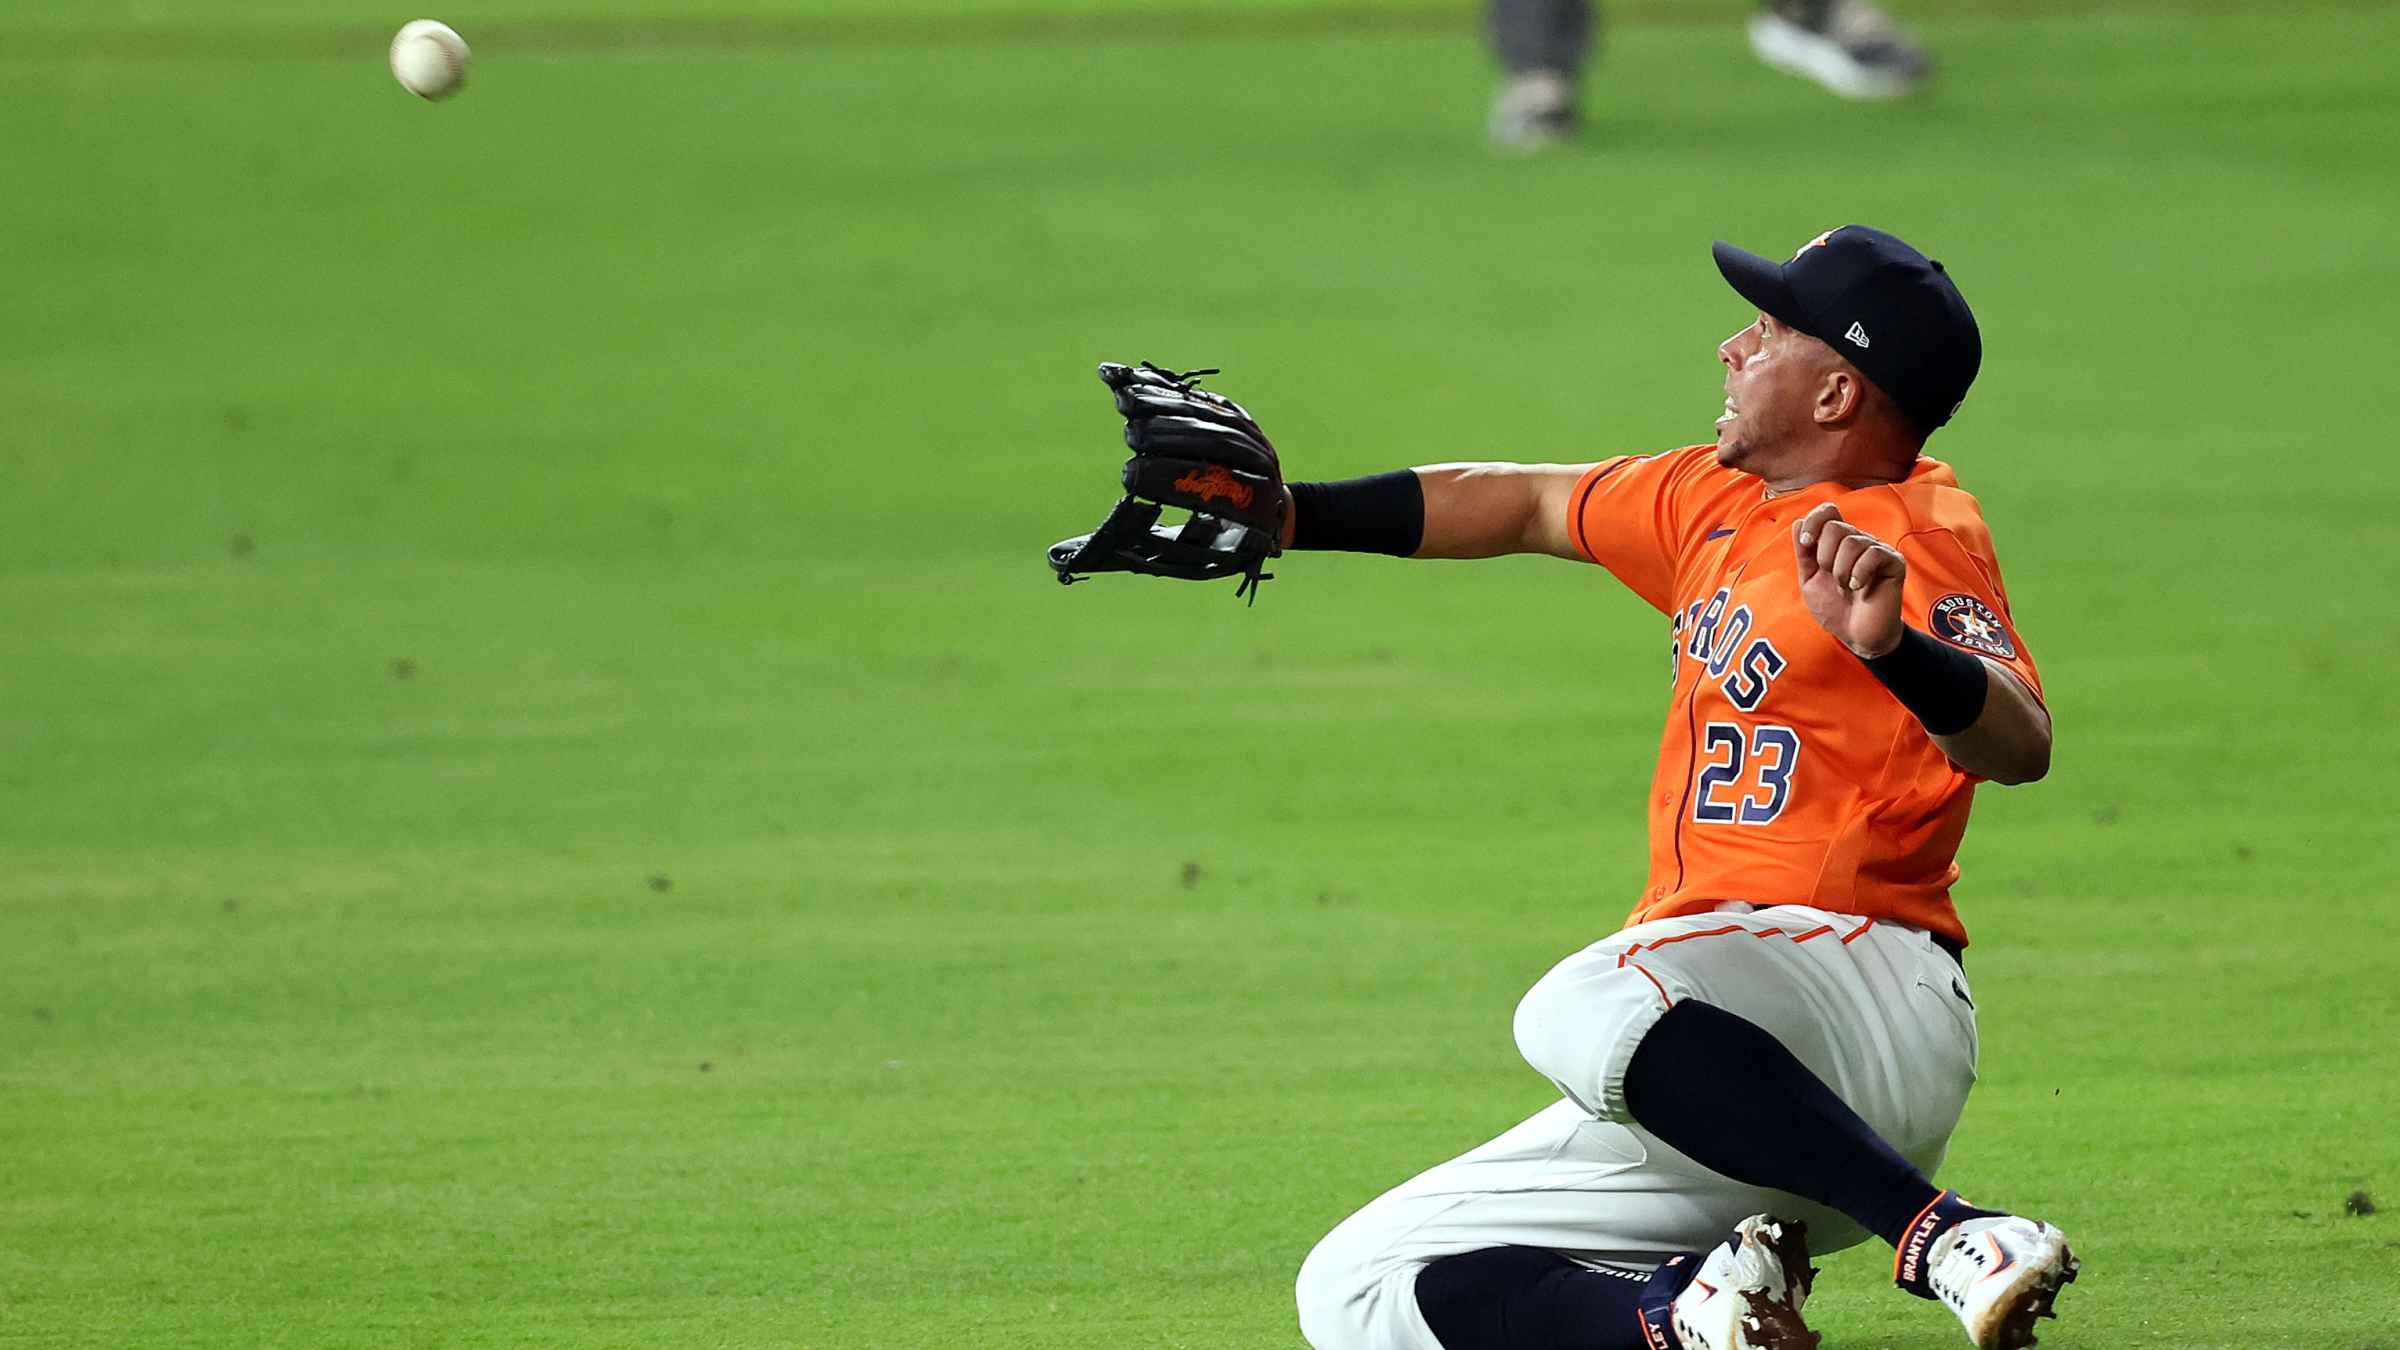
1771,377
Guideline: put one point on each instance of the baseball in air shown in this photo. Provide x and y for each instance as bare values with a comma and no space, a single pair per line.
429,59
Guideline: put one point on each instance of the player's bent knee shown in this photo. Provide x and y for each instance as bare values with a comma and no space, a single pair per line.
1343,1292
1328,1292
1579,1025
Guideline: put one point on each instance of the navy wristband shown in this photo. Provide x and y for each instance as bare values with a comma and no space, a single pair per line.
1381,513
1942,685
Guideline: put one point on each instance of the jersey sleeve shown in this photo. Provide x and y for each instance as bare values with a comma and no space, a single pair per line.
1954,593
1627,514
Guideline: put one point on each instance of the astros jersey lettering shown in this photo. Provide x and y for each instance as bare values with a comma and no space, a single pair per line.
1788,774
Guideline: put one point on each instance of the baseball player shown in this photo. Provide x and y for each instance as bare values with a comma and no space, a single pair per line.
1774,1051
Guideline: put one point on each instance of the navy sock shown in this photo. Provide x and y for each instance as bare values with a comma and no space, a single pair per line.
1724,1091
1525,1298
1910,1270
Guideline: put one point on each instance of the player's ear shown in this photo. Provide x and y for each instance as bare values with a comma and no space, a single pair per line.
1840,394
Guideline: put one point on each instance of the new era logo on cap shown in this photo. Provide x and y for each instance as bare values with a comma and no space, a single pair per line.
1857,334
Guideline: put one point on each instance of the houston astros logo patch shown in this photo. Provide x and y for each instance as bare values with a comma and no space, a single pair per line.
1970,623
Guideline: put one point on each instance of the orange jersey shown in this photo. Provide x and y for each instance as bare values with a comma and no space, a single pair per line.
1788,774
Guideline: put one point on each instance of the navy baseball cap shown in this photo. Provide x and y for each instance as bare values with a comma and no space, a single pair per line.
1891,310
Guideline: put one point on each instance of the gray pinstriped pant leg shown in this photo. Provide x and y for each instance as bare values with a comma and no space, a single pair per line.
1532,35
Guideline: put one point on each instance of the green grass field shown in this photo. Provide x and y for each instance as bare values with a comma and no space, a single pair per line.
547,797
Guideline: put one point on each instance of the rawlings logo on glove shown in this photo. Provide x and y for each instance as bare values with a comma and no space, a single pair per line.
1214,482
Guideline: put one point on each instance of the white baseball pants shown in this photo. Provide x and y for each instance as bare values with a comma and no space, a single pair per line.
1873,1008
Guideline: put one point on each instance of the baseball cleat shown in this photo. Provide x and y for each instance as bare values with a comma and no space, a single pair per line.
1748,1291
1534,110
1851,47
2000,1275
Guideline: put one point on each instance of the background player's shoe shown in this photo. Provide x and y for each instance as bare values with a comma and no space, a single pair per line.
1851,47
1535,109
2000,1275
1748,1291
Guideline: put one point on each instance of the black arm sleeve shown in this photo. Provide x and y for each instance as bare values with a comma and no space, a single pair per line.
1942,685
1381,513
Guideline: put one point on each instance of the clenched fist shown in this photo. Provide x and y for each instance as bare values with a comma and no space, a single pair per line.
1851,581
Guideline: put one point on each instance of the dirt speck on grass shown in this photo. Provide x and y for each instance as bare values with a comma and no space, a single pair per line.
2358,1204
662,883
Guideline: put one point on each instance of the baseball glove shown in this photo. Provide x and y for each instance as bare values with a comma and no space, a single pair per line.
1195,450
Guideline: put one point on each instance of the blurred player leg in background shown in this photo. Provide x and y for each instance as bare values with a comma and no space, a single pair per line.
1851,47
1543,46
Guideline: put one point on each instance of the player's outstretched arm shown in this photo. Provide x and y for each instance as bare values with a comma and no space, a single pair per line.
1439,511
1977,711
